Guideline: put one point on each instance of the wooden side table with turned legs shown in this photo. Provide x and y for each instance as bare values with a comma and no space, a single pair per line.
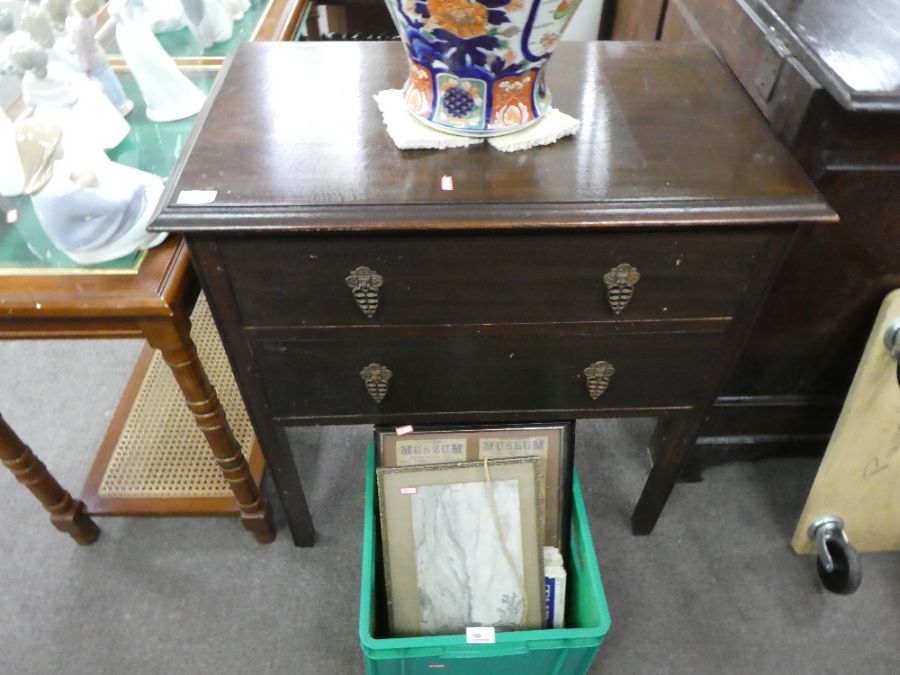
67,514
151,296
152,302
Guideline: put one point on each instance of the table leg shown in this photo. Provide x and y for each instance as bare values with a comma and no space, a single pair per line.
672,441
675,437
66,514
173,339
210,267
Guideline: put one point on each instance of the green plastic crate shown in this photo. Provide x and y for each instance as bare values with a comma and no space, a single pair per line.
565,651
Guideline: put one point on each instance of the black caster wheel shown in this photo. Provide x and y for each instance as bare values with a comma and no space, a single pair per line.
846,568
837,562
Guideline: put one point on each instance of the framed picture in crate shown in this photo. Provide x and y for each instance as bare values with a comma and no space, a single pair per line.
461,546
552,443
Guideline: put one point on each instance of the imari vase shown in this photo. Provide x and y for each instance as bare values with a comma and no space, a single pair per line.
476,67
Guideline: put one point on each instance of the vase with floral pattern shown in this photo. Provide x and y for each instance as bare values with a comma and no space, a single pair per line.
476,67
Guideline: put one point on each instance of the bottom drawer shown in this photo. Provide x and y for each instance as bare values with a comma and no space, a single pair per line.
329,378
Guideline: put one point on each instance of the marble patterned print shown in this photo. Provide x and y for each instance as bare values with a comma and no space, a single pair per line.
464,578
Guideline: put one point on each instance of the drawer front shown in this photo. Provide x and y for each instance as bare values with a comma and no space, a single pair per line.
329,378
498,278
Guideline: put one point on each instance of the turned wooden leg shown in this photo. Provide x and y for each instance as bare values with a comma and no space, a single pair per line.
66,514
173,339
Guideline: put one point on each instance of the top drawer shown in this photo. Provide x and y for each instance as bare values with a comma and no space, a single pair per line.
508,278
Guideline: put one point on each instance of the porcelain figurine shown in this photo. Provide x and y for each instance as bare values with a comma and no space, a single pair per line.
57,11
7,22
38,146
68,100
164,16
36,21
96,213
12,175
168,93
236,8
476,67
208,21
93,217
37,24
82,29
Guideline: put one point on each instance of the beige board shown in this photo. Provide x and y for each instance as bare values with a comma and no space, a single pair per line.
859,478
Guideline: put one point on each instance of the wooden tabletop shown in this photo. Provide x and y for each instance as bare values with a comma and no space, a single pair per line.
294,141
96,305
852,47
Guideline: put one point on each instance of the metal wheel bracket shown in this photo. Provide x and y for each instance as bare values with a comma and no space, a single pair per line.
823,530
892,339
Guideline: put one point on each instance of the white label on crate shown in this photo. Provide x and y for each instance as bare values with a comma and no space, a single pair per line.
12,216
407,429
408,491
480,635
447,183
197,197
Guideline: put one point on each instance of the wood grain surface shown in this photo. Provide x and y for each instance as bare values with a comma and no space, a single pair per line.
653,145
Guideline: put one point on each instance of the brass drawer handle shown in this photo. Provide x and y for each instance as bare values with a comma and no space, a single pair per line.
376,378
598,375
364,284
620,282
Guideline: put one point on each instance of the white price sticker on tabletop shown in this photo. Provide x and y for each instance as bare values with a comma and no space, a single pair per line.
480,635
196,197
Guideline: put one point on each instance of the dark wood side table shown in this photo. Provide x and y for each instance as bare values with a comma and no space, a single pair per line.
826,75
349,287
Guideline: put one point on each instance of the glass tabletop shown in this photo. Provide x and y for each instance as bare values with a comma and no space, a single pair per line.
181,43
25,249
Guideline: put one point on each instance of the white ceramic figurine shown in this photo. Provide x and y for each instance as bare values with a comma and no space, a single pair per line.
236,8
208,20
56,11
82,27
37,24
168,93
93,212
164,16
99,213
12,176
90,123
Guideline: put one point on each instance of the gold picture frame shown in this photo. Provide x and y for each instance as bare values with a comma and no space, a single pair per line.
461,546
551,442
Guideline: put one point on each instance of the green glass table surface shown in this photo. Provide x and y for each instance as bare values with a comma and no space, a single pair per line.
181,43
25,249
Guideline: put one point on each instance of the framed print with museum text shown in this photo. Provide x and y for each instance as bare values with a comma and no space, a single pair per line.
552,443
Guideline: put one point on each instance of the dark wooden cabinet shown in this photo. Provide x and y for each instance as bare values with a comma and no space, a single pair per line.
350,287
826,75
